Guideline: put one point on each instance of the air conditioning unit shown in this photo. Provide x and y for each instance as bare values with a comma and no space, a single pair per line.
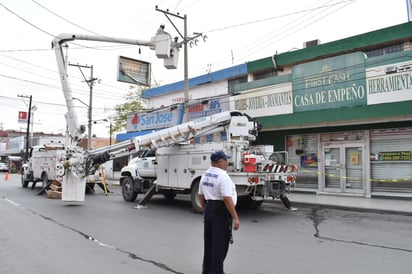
311,43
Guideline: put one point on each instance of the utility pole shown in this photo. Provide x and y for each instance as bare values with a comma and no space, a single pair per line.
90,83
26,156
185,41
110,131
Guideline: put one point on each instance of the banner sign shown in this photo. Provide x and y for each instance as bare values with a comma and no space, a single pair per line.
330,83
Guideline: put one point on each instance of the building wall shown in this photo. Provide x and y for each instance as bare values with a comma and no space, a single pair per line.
344,118
196,93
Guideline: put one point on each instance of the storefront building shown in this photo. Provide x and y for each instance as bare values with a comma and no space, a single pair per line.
342,110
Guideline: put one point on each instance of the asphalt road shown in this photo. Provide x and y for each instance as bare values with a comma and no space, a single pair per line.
104,234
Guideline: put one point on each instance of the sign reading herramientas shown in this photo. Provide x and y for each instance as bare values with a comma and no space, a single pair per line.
389,83
330,83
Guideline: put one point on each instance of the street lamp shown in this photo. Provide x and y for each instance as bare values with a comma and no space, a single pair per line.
89,123
110,128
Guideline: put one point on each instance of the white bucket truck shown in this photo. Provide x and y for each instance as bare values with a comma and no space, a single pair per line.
171,161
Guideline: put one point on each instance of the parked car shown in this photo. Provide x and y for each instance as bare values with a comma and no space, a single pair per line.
4,167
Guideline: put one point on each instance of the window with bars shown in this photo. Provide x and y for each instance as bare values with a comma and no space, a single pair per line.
385,50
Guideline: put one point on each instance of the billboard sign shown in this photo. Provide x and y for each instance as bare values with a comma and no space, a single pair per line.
133,71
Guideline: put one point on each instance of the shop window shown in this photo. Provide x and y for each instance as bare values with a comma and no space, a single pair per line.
303,151
235,81
264,74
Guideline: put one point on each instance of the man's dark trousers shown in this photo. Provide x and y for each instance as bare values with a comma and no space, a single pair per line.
217,233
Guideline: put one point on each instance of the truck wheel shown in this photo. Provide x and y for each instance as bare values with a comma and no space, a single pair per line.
197,208
128,192
24,183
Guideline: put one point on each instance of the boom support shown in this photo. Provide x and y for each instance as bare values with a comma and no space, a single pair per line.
77,164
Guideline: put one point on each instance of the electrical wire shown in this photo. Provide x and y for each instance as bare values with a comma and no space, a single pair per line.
284,31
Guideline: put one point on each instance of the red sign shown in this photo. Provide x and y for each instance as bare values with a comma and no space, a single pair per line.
22,116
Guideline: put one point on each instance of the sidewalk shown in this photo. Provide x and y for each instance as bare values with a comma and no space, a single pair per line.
380,205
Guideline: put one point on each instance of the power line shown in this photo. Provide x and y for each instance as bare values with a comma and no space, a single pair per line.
276,17
61,17
21,18
106,94
266,40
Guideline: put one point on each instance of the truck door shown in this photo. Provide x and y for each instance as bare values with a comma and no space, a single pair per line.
173,170
178,174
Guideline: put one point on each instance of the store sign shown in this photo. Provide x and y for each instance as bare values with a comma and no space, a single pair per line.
207,107
389,83
267,101
331,83
395,156
159,119
23,117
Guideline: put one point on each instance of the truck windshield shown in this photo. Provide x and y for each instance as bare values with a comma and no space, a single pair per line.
146,153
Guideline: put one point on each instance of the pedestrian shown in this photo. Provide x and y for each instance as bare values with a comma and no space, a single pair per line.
218,197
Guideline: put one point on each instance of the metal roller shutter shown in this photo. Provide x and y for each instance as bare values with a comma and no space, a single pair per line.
391,175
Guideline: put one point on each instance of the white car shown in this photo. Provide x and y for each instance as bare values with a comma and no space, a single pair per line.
4,167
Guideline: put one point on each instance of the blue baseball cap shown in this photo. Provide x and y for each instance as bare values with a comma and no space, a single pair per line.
217,155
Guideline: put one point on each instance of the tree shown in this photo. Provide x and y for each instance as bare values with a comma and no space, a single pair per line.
133,103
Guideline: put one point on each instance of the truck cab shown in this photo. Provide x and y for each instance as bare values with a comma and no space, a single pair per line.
143,164
139,174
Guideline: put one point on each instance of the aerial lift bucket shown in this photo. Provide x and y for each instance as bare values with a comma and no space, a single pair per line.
73,188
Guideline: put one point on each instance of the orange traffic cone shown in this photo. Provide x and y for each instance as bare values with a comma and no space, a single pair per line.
6,176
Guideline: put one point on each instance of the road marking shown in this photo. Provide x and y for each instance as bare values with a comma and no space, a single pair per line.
11,202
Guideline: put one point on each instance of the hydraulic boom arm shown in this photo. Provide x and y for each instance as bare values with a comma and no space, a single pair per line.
76,164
